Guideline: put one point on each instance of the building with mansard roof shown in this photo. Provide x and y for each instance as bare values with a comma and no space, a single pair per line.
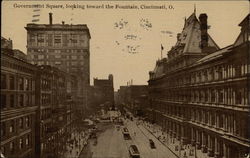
199,94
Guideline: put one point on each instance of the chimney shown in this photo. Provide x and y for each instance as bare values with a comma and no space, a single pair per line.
178,36
50,18
63,22
110,77
203,28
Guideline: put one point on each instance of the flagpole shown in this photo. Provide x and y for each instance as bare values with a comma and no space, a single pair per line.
161,53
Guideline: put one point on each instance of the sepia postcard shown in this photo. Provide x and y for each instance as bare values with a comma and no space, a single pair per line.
125,79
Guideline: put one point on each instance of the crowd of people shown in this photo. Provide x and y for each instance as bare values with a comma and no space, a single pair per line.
76,142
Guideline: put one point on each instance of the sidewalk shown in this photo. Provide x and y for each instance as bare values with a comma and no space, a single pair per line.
173,144
75,144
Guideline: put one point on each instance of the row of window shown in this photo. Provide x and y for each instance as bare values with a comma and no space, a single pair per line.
17,66
11,82
12,126
57,39
58,63
57,56
211,74
20,144
217,96
236,125
14,100
46,83
57,51
45,113
45,99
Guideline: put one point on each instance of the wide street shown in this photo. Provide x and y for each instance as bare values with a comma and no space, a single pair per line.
111,143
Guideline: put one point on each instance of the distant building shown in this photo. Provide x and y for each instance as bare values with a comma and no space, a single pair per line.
64,46
133,98
6,44
7,48
18,106
104,92
199,94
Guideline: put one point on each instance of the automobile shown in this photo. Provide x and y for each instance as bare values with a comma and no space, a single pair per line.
126,134
134,152
152,144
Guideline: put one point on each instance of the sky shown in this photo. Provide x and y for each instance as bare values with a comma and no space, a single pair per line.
127,42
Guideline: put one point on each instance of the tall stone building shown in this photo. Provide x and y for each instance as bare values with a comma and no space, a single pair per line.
199,94
55,111
133,98
64,46
18,107
104,92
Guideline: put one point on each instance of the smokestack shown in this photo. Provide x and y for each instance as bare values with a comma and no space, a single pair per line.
178,36
50,18
203,28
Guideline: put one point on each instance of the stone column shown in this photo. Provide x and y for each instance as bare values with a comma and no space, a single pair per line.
210,117
192,136
233,97
233,71
231,124
225,154
198,141
223,122
226,123
217,119
209,143
234,125
216,148
204,141
226,96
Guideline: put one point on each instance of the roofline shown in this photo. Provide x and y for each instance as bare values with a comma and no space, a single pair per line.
248,16
213,41
11,56
28,28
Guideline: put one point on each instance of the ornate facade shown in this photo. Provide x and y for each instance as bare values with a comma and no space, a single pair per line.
64,46
104,92
18,107
54,115
200,95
